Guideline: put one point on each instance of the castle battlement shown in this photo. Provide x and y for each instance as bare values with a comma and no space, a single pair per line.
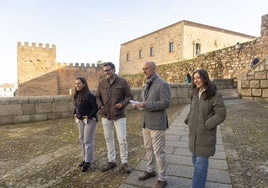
80,65
34,45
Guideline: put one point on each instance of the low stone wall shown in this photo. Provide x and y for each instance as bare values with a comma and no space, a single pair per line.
34,108
254,84
42,108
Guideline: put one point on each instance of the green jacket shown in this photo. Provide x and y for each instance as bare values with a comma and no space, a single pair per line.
202,120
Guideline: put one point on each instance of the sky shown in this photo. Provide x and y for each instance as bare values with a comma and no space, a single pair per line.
88,31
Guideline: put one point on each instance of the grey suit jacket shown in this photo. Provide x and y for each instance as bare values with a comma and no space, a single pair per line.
157,101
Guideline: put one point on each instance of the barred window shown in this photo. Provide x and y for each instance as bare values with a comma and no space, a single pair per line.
171,47
140,54
152,51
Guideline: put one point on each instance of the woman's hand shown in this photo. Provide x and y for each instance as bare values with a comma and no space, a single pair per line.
118,105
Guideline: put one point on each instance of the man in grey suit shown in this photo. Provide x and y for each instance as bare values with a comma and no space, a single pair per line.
156,98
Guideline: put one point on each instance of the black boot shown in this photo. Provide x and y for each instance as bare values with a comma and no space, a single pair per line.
81,164
86,166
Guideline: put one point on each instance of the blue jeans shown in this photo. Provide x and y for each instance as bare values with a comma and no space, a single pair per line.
200,171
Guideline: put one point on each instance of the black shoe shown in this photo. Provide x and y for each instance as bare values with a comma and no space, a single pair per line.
81,164
125,168
109,166
85,166
147,175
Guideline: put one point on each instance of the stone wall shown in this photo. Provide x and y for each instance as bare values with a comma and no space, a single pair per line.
41,108
67,74
39,74
185,35
229,62
34,108
34,60
254,85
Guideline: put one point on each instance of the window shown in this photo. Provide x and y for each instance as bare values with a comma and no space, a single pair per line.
127,57
216,43
171,47
140,54
152,51
197,48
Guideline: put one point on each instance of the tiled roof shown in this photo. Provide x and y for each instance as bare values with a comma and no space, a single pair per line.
7,85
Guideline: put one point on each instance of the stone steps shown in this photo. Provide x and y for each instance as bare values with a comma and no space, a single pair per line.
229,93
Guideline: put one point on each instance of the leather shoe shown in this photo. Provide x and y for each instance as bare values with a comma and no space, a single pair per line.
147,175
85,166
160,184
81,164
109,166
125,168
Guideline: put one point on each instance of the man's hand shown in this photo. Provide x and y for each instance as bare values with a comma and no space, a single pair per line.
140,105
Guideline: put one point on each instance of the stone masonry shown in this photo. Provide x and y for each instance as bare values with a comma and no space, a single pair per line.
185,36
39,73
232,62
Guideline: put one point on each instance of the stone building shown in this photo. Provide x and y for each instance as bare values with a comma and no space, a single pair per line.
232,63
40,74
8,90
179,41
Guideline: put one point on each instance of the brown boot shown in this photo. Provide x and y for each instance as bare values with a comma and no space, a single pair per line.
160,184
125,168
109,166
147,175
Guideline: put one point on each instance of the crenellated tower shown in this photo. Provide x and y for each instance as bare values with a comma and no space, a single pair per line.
40,74
34,61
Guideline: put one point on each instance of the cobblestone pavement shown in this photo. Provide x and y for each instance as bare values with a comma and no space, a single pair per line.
179,161
245,143
46,154
245,137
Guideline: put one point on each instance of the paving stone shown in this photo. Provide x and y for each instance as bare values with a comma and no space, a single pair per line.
179,161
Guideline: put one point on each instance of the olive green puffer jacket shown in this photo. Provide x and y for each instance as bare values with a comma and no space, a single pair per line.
202,120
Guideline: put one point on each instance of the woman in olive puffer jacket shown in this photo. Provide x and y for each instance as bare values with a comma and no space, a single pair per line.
207,111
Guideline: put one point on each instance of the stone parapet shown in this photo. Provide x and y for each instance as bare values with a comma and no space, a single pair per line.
42,108
33,108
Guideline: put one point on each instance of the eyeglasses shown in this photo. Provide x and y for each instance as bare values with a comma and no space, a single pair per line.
107,70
